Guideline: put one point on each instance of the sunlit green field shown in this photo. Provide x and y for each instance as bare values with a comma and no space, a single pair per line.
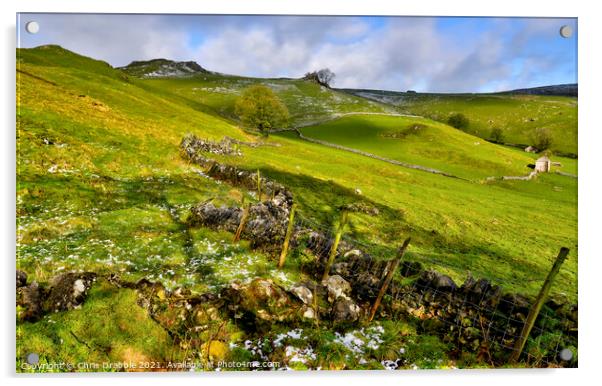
102,187
423,142
114,155
307,102
518,116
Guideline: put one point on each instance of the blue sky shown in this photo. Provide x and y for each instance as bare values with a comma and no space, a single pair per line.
426,54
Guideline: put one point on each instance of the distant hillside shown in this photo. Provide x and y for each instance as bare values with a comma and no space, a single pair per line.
571,89
517,113
161,68
307,101
421,141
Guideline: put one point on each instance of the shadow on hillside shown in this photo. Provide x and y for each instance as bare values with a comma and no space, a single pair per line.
319,204
389,226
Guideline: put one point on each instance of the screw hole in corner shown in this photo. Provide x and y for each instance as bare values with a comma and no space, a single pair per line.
32,27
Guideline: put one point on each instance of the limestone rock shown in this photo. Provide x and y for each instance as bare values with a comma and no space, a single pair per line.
345,310
192,145
303,293
265,225
223,218
308,313
367,285
341,268
260,300
337,287
29,299
68,291
437,281
21,279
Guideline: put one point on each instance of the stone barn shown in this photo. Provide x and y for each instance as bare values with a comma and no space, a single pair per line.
543,164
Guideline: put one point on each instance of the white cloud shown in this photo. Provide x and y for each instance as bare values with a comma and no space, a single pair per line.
117,39
399,53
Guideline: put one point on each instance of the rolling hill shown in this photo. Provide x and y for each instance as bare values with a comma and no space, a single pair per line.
424,142
517,113
308,102
102,186
81,121
570,90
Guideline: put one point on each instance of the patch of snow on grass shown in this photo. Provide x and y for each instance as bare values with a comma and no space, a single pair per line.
292,334
299,355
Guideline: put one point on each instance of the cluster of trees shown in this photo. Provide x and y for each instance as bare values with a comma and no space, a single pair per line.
541,138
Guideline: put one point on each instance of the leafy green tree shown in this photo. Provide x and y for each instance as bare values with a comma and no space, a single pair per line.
542,138
259,108
459,121
497,135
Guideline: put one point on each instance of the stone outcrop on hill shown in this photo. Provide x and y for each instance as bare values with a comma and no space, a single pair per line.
161,68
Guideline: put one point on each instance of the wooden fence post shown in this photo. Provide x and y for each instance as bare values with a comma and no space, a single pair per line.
335,243
539,301
392,268
258,186
287,238
243,221
316,307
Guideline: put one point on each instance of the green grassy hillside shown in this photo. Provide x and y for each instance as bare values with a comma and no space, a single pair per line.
423,142
102,187
516,115
101,183
99,161
308,102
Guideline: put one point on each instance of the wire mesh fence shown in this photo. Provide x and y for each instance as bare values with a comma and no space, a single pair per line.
479,316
